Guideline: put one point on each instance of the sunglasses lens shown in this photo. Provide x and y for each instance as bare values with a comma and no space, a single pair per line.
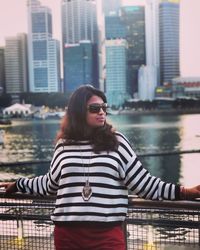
95,108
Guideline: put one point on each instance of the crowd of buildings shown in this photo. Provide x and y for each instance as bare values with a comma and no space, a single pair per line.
126,51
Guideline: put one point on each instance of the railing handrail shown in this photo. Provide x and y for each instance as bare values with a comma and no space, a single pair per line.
134,201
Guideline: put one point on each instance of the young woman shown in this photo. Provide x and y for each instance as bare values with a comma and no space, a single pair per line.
92,169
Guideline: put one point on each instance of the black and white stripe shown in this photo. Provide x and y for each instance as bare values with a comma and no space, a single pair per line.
111,175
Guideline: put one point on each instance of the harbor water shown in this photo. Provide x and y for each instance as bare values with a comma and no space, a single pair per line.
33,140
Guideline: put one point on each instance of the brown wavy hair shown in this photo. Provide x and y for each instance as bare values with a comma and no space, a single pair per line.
74,126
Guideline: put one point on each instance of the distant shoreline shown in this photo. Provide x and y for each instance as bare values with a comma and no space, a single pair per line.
160,111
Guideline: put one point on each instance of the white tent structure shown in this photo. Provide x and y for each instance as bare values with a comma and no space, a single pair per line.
19,109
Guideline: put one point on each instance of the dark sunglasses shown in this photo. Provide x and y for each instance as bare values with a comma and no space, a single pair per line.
96,107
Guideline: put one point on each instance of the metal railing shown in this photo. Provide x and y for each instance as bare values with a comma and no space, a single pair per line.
150,225
163,225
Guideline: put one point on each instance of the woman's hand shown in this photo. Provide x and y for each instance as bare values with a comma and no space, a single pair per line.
190,193
9,186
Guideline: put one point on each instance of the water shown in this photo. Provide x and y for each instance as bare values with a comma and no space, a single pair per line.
34,140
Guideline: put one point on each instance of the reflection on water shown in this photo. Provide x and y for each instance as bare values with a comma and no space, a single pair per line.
34,140
29,140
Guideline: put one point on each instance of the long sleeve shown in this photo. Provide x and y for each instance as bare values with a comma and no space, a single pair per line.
45,184
138,180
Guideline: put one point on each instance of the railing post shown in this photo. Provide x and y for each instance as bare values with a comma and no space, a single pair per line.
20,229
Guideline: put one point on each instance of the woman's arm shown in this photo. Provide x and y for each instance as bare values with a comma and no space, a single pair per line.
142,183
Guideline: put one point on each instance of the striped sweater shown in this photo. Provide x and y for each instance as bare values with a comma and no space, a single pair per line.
111,175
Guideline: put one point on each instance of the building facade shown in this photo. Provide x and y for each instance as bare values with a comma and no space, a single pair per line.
2,71
16,64
146,82
133,18
114,27
169,40
79,65
152,39
116,72
79,21
79,35
187,87
111,6
44,54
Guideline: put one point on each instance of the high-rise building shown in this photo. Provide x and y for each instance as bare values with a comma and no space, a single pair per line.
146,82
149,74
116,73
44,54
114,27
111,6
79,24
16,70
79,65
169,40
133,18
152,36
2,70
79,21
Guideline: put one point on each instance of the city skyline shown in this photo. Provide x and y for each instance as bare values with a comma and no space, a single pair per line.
13,20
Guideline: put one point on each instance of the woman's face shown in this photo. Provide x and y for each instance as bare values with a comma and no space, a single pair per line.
96,112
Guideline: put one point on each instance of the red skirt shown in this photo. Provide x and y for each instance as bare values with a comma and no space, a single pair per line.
89,238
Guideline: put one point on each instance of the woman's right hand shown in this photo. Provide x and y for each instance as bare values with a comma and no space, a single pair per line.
10,187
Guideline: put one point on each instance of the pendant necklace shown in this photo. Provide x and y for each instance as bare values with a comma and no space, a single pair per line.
87,189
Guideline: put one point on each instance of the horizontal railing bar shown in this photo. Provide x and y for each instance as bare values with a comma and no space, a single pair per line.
24,217
168,223
176,152
165,204
26,205
134,201
153,221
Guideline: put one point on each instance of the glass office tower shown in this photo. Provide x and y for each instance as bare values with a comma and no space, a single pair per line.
44,52
169,40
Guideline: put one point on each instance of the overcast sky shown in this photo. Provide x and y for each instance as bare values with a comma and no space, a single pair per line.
13,20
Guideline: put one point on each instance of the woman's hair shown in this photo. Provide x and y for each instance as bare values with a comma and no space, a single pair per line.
74,125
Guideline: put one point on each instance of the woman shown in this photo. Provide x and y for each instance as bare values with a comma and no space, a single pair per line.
92,169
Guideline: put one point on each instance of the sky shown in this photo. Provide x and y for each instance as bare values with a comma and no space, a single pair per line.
13,20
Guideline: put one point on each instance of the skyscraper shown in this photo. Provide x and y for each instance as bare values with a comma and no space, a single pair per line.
134,19
2,70
169,39
111,6
44,60
79,65
16,70
79,35
146,82
152,35
79,21
114,27
116,73
149,74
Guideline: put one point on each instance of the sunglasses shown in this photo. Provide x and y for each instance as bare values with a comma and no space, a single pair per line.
96,107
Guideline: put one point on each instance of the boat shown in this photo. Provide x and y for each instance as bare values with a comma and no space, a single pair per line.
5,122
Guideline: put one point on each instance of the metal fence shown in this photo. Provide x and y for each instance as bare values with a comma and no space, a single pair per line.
163,225
150,225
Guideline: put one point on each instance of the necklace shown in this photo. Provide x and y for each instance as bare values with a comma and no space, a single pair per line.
87,189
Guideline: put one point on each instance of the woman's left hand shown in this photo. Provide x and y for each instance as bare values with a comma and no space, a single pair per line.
190,193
